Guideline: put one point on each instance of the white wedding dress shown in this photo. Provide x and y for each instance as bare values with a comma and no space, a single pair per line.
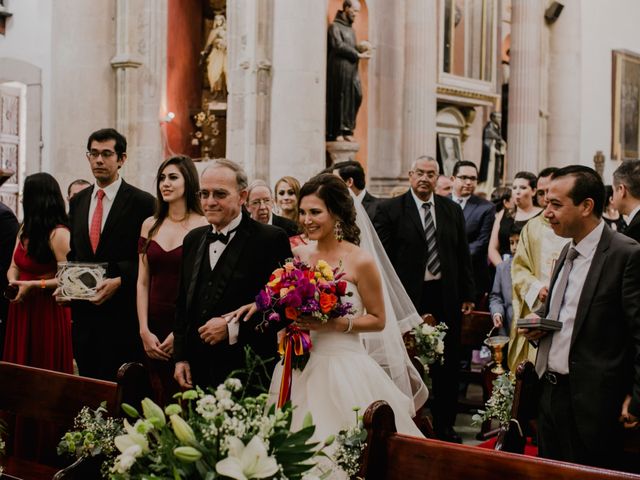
340,376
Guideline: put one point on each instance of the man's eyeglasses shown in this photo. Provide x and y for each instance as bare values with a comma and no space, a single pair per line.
267,202
105,154
216,194
421,173
464,178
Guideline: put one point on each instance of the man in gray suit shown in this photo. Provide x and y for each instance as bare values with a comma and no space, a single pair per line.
590,368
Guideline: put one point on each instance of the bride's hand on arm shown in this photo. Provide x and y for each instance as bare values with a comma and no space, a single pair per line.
244,313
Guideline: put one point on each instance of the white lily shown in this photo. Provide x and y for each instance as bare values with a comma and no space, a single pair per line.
246,462
132,437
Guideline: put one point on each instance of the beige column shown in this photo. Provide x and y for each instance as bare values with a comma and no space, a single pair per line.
565,66
527,20
386,74
421,61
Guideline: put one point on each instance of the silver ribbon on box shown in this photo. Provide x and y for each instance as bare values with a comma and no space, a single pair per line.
78,280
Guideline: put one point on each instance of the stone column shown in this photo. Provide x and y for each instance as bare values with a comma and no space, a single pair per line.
420,74
249,60
298,89
563,137
125,63
523,151
140,65
386,83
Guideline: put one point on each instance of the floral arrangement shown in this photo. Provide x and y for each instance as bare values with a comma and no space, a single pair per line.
2,444
351,442
499,405
294,290
428,342
205,436
94,434
205,121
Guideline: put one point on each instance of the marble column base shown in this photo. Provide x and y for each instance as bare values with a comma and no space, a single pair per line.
341,151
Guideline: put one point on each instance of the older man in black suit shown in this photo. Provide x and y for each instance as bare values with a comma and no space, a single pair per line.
425,239
590,368
479,215
224,266
105,222
260,207
626,195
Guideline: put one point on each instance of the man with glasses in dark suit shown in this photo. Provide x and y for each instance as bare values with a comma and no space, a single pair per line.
424,237
105,222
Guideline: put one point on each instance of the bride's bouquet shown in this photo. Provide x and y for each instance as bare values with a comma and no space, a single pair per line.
300,290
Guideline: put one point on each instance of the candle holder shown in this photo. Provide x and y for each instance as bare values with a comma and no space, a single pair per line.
496,344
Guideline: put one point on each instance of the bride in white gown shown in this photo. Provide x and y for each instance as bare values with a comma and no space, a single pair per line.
340,374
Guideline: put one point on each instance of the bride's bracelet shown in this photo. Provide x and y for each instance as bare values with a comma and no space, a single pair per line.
349,325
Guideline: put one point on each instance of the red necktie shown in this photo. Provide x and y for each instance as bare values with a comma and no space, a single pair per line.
96,222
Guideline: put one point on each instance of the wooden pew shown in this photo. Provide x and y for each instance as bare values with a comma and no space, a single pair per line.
55,397
393,456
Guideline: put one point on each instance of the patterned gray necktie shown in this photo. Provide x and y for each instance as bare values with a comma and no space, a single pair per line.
556,302
433,261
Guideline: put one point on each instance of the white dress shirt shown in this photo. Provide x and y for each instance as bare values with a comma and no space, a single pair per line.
561,342
462,201
110,193
633,214
360,196
428,276
215,252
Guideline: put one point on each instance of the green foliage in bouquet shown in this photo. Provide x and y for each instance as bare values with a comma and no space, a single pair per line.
498,407
213,435
350,445
429,346
3,431
93,434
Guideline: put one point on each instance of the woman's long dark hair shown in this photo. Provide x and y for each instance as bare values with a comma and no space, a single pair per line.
335,195
44,210
191,187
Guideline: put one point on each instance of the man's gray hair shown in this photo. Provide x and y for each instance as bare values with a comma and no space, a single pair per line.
427,158
628,174
258,183
241,176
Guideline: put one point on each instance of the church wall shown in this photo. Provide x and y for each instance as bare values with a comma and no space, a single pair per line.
83,82
28,39
605,26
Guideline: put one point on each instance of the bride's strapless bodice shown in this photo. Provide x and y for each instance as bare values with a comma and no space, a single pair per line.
335,343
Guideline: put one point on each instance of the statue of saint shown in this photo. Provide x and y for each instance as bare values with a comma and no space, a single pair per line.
344,91
215,51
493,150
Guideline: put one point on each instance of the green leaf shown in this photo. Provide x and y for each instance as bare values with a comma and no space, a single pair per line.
129,410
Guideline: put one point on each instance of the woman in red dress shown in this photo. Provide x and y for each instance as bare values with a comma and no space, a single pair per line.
160,247
38,329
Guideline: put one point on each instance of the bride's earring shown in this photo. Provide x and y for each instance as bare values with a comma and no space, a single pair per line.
337,231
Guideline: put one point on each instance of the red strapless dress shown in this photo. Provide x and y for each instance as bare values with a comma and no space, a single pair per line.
164,275
38,330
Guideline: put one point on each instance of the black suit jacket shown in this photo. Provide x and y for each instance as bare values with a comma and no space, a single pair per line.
400,229
245,266
604,356
479,215
106,336
289,226
370,204
633,229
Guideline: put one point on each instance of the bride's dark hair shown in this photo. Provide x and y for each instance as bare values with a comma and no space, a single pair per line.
335,195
